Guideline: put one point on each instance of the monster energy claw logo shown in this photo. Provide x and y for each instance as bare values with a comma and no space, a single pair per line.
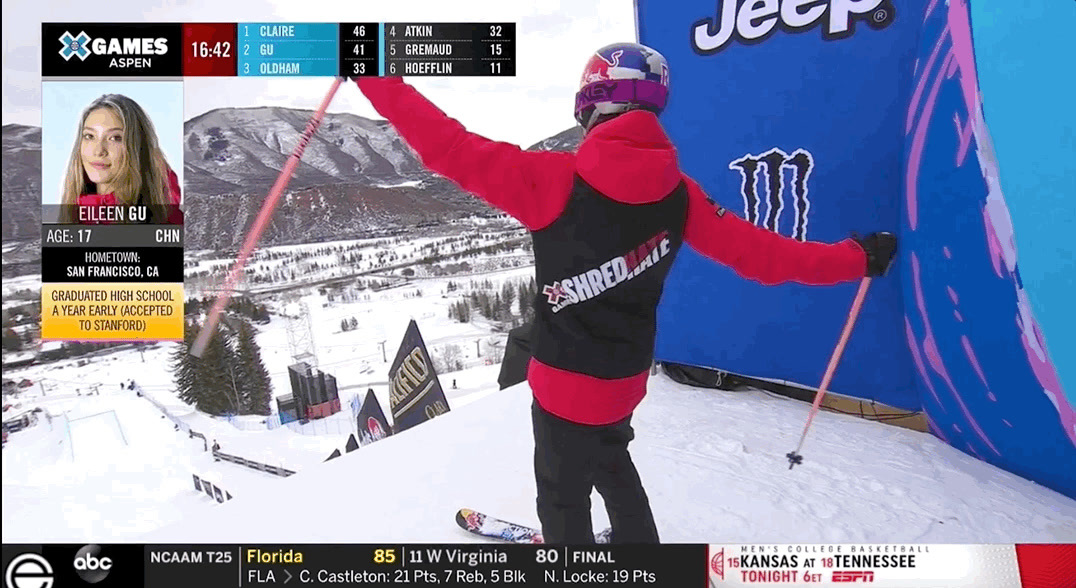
764,179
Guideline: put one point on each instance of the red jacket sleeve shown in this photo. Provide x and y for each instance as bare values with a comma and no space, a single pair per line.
533,187
764,256
175,215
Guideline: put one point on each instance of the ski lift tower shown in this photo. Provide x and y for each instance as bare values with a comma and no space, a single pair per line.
300,333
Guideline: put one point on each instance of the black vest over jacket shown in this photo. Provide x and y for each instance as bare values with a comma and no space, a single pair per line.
601,267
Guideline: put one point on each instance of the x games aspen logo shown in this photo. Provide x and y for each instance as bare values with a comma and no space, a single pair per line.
75,46
554,293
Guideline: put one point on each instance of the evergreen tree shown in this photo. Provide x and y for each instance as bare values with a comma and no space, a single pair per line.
524,302
255,387
500,309
217,387
203,381
11,340
183,366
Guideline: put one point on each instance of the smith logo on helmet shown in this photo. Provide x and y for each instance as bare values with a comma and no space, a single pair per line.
753,21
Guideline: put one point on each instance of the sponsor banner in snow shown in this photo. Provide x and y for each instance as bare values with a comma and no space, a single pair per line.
879,565
372,424
416,394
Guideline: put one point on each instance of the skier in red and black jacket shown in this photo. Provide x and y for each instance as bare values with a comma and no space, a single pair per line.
606,222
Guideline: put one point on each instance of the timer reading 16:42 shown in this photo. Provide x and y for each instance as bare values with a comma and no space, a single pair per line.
207,49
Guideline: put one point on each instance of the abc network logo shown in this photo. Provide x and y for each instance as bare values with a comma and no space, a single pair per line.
90,566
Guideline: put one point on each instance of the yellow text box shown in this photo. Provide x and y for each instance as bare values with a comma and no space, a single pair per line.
112,312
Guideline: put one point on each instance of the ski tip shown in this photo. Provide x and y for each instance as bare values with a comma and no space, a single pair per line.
468,519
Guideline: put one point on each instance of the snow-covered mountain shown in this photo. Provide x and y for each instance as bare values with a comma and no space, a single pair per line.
357,176
21,182
243,149
566,140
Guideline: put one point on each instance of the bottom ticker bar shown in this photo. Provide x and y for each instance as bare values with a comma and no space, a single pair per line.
182,566
494,564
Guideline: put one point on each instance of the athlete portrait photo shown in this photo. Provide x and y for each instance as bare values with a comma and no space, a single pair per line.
116,171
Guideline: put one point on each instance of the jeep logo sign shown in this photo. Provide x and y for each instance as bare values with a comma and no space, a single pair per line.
753,21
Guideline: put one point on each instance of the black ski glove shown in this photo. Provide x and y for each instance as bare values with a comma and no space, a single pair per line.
880,249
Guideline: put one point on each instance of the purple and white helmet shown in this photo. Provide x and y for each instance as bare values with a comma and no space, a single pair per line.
622,77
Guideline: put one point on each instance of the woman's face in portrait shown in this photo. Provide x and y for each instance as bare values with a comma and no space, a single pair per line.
103,152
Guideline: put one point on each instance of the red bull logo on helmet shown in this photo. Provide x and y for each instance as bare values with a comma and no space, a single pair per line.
625,62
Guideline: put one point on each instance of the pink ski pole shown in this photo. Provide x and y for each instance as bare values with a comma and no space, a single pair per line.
260,223
794,456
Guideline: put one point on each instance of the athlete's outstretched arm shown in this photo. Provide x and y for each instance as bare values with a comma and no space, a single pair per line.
531,186
764,256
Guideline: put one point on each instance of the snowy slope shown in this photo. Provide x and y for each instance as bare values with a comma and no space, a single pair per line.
713,464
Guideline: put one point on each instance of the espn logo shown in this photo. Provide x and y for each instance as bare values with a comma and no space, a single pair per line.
853,576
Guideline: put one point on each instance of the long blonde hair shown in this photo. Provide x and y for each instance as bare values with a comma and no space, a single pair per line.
143,179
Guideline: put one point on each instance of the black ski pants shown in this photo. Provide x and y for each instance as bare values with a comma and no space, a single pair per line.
570,460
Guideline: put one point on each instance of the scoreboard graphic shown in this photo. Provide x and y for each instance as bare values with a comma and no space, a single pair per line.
277,49
113,144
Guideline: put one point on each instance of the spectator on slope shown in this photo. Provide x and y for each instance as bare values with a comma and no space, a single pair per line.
607,222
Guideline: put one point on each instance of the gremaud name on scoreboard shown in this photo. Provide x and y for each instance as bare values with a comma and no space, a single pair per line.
421,49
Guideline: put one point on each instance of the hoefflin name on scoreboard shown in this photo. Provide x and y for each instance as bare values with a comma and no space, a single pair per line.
439,68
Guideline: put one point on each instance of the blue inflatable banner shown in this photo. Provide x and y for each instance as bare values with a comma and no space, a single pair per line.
792,115
987,381
816,119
